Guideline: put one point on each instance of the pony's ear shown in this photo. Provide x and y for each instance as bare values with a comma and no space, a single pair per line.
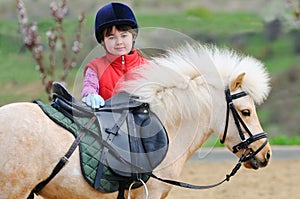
237,83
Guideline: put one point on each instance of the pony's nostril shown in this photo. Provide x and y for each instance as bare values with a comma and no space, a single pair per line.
268,155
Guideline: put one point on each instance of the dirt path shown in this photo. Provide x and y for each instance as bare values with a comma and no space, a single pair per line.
277,181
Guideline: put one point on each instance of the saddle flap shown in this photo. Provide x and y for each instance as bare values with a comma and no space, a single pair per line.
134,152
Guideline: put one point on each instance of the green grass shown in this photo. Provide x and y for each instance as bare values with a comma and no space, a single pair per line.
277,55
285,140
17,68
282,140
212,23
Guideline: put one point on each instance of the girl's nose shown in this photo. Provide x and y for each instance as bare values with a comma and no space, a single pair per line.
119,40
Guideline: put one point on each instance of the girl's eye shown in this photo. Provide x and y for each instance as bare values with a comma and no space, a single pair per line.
124,35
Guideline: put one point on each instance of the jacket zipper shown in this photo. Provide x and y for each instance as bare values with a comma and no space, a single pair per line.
123,63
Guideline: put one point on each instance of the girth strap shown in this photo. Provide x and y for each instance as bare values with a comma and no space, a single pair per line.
134,144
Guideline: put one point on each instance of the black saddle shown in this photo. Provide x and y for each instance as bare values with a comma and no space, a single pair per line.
67,102
134,140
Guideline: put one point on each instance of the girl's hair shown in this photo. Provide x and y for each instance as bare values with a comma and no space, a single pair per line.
107,31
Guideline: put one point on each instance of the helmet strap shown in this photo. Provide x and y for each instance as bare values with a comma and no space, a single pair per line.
133,43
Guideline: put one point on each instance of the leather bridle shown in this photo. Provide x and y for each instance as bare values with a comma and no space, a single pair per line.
244,144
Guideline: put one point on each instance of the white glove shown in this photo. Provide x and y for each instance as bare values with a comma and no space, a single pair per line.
93,100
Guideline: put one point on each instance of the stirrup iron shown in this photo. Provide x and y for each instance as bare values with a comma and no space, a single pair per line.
145,187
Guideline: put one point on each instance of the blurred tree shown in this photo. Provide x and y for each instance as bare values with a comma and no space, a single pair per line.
272,29
55,36
296,10
296,32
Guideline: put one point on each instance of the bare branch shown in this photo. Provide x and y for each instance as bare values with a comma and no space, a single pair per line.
32,41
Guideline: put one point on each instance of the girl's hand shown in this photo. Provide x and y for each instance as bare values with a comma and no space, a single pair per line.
93,100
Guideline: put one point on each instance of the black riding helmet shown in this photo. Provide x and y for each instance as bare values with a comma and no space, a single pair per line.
113,13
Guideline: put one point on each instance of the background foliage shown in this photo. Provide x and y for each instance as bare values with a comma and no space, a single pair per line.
263,30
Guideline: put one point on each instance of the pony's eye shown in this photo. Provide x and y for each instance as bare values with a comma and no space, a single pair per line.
245,112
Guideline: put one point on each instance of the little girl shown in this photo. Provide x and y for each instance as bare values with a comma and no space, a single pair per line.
116,30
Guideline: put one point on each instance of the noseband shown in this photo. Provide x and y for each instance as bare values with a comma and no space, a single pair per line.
244,144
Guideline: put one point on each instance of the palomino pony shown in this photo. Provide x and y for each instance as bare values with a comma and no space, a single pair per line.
185,88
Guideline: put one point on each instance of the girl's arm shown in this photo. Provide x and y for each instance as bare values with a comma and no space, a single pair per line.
90,83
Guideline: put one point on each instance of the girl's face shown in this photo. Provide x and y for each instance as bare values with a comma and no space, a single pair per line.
118,42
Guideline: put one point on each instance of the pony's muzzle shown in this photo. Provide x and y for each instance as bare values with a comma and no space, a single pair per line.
259,160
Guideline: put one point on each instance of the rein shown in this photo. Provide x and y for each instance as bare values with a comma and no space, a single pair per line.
243,145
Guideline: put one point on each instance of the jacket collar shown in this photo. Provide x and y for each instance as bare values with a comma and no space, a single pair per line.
123,60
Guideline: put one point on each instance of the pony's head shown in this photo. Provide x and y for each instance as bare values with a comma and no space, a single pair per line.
246,84
206,85
241,119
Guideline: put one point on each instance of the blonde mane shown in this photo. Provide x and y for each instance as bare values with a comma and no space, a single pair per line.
180,78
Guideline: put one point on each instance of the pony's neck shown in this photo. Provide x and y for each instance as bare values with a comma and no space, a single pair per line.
186,114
